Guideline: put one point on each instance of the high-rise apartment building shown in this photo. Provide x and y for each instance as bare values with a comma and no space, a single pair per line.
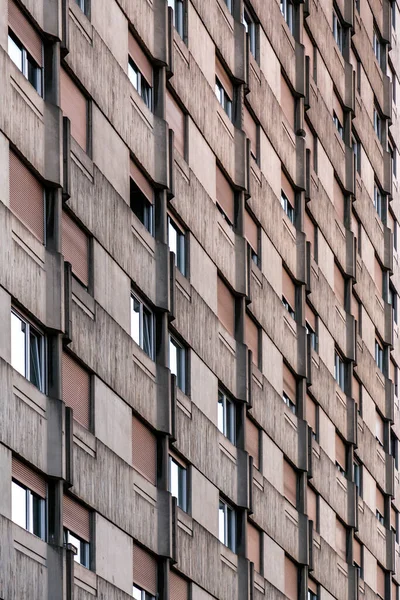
199,337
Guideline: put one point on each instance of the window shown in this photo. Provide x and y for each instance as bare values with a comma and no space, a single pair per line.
254,546
144,574
77,529
379,355
251,233
227,416
287,207
75,106
253,441
252,338
144,450
312,415
338,32
251,30
28,350
178,482
176,119
341,454
226,306
394,522
289,482
223,98
313,336
291,579
380,506
225,198
357,476
394,449
288,307
287,10
176,243
227,525
393,154
379,428
140,71
341,539
25,62
178,8
339,370
357,154
288,293
84,6
28,499
357,556
338,124
139,83
311,595
27,199
393,301
177,362
142,326
378,124
377,46
312,592
393,11
141,198
289,394
76,389
311,327
229,4
75,248
250,128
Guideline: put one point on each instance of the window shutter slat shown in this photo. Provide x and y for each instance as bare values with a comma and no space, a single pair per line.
357,552
144,450
290,483
224,78
253,441
251,231
380,581
311,413
76,518
141,181
144,570
226,307
251,337
253,545
179,589
380,502
225,196
176,120
287,188
291,579
340,451
289,383
74,106
76,389
26,197
288,289
24,31
311,318
32,480
339,285
75,248
250,129
140,59
312,586
340,539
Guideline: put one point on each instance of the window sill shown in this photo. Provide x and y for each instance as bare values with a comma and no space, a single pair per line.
225,228
26,90
30,544
228,448
144,487
82,160
28,393
144,362
28,241
81,20
85,579
83,299
185,521
184,402
183,283
229,557
143,235
84,439
225,121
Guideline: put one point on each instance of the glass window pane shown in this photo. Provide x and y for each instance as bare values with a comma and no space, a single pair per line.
137,594
221,412
148,332
133,75
135,320
182,493
18,332
18,501
221,517
230,421
173,358
15,52
174,478
36,515
172,239
35,359
72,539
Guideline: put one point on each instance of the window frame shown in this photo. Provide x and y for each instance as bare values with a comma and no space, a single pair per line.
27,63
288,308
378,200
182,495
83,555
223,98
377,46
287,207
180,254
340,375
29,517
181,362
179,16
338,124
287,10
357,468
143,594
143,87
228,425
379,355
337,30
42,354
289,403
229,524
250,26
84,5
377,122
144,311
148,207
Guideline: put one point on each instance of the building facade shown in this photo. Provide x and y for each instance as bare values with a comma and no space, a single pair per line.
198,300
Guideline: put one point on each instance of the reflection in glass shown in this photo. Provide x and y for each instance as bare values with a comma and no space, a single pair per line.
18,331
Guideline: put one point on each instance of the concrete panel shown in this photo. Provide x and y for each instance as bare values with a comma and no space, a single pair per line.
202,160
272,366
111,287
325,171
5,481
271,264
368,332
369,490
327,435
112,26
269,64
274,563
204,388
113,420
5,325
270,164
203,274
326,347
368,411
4,174
200,594
205,502
327,520
110,154
325,260
113,554
201,46
369,569
272,463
